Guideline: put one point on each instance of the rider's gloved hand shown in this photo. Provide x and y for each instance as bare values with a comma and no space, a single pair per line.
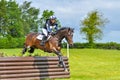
53,33
50,33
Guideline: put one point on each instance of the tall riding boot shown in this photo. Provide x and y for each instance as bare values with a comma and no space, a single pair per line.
43,41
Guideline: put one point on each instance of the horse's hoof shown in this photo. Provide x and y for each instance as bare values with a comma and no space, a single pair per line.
60,65
66,70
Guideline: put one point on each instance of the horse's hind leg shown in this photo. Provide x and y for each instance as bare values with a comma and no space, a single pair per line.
31,50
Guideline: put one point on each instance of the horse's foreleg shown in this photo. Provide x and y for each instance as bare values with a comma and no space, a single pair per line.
61,62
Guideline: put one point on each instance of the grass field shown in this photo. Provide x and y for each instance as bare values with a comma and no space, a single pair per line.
86,64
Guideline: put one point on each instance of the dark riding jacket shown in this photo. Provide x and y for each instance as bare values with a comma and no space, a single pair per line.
51,27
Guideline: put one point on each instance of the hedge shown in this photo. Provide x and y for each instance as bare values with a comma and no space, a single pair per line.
109,45
11,42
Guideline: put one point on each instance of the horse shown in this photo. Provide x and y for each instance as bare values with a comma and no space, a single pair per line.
53,45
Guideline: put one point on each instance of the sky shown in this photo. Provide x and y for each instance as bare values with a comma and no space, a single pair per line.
71,12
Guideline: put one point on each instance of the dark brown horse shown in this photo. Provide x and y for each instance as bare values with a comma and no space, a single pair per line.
52,45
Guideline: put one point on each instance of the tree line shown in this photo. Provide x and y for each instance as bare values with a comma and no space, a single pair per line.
108,45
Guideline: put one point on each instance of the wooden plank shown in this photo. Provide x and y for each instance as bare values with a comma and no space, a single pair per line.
29,67
15,59
38,77
30,71
29,63
33,74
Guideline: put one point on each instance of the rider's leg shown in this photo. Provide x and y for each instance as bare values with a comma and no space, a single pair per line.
44,37
43,40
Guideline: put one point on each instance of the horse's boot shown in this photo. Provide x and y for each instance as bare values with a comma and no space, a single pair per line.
43,41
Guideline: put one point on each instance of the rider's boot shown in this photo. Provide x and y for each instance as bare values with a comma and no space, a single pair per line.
42,43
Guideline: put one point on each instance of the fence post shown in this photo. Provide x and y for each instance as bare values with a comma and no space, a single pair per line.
68,54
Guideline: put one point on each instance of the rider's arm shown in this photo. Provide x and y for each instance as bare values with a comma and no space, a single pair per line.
56,27
48,27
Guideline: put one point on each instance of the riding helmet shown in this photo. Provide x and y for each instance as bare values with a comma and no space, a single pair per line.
52,17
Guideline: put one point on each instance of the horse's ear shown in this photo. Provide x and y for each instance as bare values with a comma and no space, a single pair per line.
71,29
68,29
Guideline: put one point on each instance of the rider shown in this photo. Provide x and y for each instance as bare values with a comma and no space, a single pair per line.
50,27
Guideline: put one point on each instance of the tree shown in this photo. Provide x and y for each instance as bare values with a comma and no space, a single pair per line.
29,17
92,26
14,19
10,21
3,19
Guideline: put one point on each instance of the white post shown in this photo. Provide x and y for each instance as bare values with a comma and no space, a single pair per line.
68,50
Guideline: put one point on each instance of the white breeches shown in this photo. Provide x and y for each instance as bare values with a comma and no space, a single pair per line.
45,32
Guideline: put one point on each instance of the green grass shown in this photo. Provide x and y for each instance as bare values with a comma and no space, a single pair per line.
93,64
85,64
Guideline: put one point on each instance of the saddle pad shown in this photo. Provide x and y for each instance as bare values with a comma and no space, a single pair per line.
40,36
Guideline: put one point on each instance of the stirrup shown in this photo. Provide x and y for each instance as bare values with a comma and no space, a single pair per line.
42,43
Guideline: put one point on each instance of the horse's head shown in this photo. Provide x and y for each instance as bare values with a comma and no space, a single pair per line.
69,36
67,33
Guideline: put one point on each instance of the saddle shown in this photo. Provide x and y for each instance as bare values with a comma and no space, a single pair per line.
40,37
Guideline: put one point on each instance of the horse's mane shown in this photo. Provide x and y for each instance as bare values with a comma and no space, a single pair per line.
63,28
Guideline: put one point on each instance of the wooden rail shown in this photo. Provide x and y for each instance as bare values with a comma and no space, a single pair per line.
32,68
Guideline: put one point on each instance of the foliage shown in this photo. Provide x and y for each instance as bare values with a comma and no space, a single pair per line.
92,26
10,19
11,42
2,17
30,17
109,45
